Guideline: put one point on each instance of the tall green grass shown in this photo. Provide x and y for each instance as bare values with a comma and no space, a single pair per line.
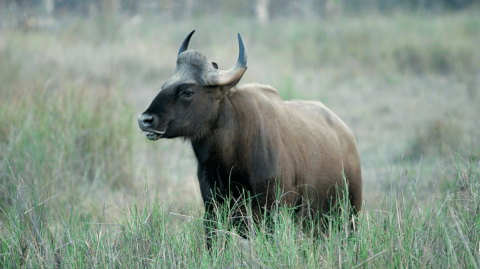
403,231
68,142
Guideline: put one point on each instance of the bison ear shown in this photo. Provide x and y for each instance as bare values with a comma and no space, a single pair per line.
215,65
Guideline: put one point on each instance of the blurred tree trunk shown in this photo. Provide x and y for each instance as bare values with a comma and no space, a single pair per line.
321,6
131,7
165,7
307,8
188,11
49,7
22,4
261,11
332,9
421,4
109,6
179,9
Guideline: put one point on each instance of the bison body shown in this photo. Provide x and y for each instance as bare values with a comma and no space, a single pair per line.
248,141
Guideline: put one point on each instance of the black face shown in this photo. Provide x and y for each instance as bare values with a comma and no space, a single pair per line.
178,111
184,107
188,104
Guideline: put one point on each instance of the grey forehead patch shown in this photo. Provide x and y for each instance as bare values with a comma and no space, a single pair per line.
193,57
191,65
175,80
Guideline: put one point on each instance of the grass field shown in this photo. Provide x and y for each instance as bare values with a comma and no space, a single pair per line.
82,187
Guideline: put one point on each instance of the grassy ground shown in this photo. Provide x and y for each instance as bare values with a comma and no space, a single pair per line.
82,187
402,231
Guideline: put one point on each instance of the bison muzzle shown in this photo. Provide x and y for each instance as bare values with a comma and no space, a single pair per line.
247,140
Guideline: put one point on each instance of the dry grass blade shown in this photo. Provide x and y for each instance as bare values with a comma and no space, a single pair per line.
464,241
371,258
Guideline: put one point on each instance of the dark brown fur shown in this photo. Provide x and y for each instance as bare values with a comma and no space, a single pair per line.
262,142
248,140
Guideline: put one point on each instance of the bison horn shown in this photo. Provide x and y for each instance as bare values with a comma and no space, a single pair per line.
184,46
233,75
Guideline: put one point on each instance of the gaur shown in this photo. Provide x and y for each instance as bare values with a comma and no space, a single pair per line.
247,140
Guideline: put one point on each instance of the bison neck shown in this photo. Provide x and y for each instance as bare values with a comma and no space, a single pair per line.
239,153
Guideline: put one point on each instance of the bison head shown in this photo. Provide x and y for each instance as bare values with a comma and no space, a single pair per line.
188,103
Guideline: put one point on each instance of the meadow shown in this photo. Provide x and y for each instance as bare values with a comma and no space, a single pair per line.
82,187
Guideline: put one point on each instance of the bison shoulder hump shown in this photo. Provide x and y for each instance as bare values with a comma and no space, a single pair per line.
256,88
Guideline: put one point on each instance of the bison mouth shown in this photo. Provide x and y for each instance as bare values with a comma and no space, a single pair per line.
152,134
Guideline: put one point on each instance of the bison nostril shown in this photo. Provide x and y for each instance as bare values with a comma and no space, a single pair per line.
147,120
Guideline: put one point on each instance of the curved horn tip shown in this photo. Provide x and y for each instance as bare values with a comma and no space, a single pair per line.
242,57
184,46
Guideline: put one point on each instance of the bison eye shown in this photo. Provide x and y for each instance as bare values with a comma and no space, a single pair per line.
187,93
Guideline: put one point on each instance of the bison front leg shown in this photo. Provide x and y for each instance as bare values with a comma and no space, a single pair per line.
210,221
212,191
